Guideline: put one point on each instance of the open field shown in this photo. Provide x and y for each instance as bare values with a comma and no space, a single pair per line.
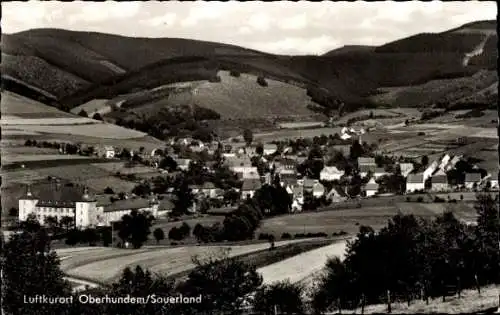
91,130
20,106
94,106
115,167
8,121
161,260
300,267
18,132
21,149
149,143
335,221
12,158
236,97
427,93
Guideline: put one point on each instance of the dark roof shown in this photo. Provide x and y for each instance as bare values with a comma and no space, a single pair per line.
439,179
128,204
371,186
165,204
345,149
473,177
251,184
366,160
363,168
415,178
55,194
309,183
103,200
286,161
208,185
224,211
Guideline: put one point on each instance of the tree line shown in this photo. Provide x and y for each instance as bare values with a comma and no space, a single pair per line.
414,258
410,258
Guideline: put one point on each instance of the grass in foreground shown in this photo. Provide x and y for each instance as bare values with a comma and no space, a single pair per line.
470,302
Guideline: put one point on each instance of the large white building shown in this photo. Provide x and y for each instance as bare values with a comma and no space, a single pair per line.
59,200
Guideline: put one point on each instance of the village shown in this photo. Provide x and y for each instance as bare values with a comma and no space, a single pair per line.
315,173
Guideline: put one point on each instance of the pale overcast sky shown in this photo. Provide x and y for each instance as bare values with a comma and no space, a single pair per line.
277,27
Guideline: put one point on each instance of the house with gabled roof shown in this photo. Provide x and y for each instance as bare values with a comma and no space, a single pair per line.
439,181
183,164
472,180
364,169
494,181
318,190
336,195
249,187
288,180
117,209
366,161
270,148
415,182
107,152
379,172
209,189
371,188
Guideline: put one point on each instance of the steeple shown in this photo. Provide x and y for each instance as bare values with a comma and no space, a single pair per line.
28,191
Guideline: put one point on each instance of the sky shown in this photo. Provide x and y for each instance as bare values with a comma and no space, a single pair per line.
282,27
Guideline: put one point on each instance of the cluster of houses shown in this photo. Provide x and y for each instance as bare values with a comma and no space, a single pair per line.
435,174
59,200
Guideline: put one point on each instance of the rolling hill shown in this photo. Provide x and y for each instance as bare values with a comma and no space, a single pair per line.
68,69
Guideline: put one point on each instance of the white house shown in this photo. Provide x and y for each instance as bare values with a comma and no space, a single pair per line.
371,188
439,181
318,190
270,148
116,210
107,152
209,189
298,198
494,181
249,187
335,195
472,180
330,173
183,164
415,182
